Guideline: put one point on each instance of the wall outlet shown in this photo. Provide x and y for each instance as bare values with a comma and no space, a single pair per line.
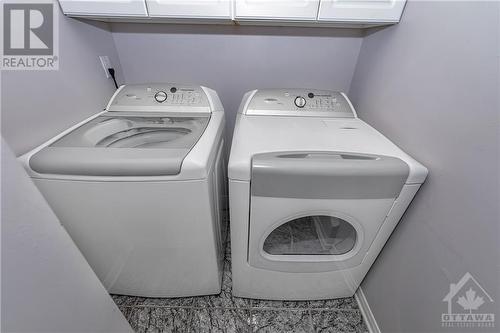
106,63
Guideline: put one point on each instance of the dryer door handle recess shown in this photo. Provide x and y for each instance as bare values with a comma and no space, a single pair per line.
327,175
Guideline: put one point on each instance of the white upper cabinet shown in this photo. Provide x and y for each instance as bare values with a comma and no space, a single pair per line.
193,9
342,13
104,8
361,11
276,10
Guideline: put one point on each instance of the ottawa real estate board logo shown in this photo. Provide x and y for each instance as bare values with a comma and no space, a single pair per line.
30,36
469,305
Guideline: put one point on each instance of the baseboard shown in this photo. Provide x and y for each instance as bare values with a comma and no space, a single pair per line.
366,311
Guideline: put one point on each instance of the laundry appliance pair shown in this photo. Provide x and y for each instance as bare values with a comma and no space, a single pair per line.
314,192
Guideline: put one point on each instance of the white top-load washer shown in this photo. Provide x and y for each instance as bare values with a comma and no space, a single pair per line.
315,193
140,189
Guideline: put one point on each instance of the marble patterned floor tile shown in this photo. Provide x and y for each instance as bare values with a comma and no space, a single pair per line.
347,303
227,264
257,303
138,318
268,321
162,302
127,311
124,300
224,299
343,321
221,320
159,319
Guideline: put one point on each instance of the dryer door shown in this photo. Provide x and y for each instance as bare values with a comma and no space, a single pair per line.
319,211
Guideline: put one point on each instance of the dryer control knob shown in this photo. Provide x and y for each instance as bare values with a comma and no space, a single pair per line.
300,101
161,96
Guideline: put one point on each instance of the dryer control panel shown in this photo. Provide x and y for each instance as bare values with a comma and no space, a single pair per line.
159,97
299,102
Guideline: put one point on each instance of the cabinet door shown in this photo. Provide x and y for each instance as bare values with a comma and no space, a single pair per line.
108,8
372,11
190,8
294,10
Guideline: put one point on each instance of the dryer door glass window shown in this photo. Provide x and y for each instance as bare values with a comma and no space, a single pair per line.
312,235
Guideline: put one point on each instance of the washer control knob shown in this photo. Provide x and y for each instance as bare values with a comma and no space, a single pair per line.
300,101
161,96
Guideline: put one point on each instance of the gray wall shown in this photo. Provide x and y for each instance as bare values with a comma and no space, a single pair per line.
233,60
47,286
36,105
431,85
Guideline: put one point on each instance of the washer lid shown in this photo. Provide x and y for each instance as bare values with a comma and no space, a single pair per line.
123,145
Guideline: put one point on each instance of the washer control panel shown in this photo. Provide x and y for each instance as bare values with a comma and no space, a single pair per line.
300,102
158,96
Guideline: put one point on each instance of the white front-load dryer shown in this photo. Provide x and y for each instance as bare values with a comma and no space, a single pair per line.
140,189
314,195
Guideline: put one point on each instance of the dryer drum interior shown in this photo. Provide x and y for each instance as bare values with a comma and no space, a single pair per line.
312,235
